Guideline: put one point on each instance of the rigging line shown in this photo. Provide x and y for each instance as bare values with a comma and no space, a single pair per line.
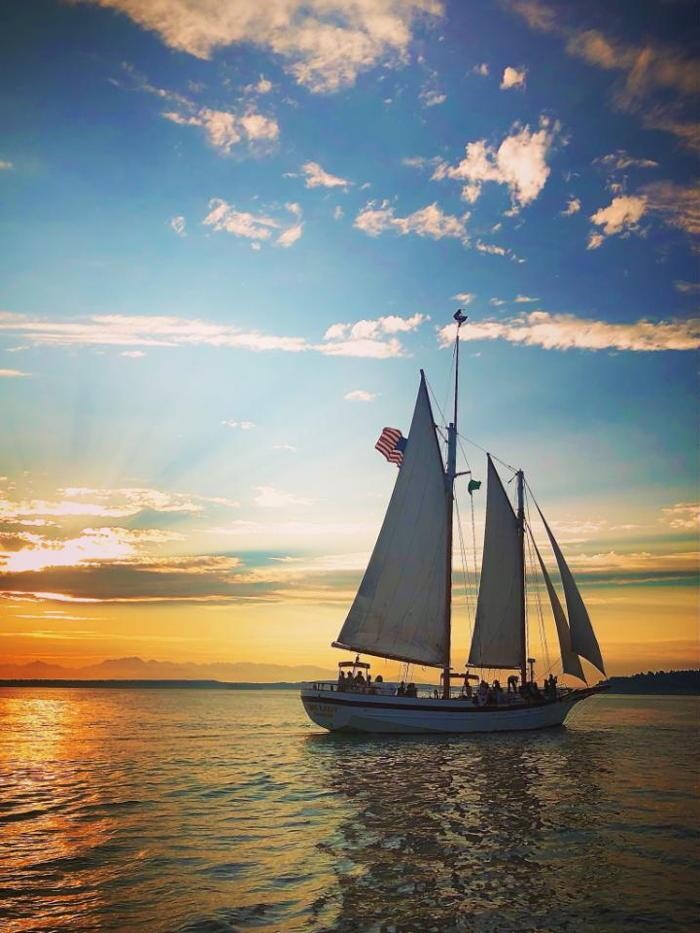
484,450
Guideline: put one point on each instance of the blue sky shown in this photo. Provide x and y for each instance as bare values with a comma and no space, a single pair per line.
219,223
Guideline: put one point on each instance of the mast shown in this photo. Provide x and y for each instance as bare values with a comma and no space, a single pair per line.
450,474
521,554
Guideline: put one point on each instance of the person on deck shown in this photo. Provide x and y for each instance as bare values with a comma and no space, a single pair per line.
401,690
341,680
513,683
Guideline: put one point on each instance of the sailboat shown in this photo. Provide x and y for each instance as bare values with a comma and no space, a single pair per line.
403,608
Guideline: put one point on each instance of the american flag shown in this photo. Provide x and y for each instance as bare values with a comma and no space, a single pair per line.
391,444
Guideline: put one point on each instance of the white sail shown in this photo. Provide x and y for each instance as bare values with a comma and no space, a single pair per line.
583,638
570,661
400,609
498,631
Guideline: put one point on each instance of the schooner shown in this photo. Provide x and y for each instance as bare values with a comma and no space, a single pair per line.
403,608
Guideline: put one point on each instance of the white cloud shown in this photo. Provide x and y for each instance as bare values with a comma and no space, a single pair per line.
513,77
490,248
566,331
324,44
359,395
316,177
523,299
133,354
269,497
256,227
430,97
430,221
261,86
6,166
482,70
573,206
240,425
464,298
370,338
178,225
367,338
223,129
338,212
519,162
621,216
684,515
497,302
288,447
12,374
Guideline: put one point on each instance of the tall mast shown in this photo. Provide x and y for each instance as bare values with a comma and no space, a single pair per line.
450,473
521,544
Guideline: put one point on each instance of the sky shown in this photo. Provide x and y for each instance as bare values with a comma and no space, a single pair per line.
231,235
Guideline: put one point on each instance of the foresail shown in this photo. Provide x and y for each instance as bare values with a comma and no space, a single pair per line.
583,639
497,639
571,663
400,608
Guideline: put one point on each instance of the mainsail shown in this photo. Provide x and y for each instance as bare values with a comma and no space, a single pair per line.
583,640
570,661
498,632
400,609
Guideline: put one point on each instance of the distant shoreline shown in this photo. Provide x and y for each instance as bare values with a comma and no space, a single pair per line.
661,683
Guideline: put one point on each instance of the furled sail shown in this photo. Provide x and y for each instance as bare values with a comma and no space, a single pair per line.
400,609
498,628
583,639
571,663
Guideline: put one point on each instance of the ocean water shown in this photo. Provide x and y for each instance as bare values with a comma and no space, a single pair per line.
188,810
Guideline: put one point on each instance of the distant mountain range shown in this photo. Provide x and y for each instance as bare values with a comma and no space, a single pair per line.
138,669
243,672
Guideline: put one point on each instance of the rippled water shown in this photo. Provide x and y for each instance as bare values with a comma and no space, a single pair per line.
185,810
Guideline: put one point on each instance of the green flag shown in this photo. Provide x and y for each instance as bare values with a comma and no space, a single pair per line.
473,484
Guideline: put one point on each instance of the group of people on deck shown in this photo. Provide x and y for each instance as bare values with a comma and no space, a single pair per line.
484,695
358,681
493,694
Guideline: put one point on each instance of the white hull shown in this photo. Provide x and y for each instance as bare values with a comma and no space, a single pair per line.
357,712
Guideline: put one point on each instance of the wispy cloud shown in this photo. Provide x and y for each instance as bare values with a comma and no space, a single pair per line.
566,332
324,44
5,166
360,395
239,425
430,221
12,374
687,288
620,160
366,338
464,298
684,516
482,70
519,163
268,497
106,503
178,225
659,81
317,177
